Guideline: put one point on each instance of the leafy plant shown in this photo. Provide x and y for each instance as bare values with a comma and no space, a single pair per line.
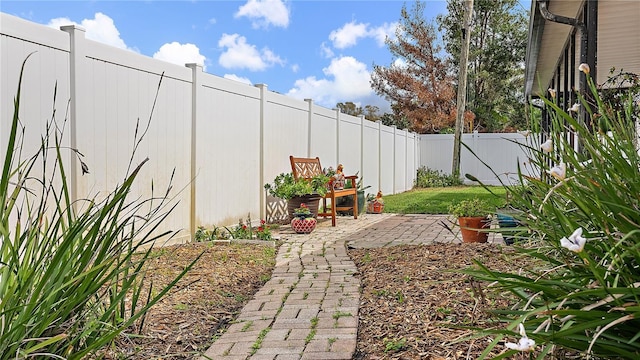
263,232
394,345
582,210
71,271
427,178
470,208
216,233
285,186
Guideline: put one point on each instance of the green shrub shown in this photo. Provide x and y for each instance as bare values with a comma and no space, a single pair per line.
475,207
583,214
70,271
426,178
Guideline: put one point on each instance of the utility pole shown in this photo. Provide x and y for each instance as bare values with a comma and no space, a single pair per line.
462,86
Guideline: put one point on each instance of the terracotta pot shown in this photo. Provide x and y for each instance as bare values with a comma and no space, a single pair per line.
375,207
467,224
311,201
303,225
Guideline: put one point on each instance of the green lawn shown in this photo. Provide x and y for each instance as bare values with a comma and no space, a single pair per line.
437,200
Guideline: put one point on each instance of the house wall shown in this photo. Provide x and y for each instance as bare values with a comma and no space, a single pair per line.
618,43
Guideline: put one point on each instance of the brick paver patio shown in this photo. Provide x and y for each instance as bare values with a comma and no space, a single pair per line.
309,307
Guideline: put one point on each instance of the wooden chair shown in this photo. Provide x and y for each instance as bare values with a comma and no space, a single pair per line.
307,168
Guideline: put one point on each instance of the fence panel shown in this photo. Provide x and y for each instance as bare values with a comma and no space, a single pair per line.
500,151
286,133
349,144
371,156
387,159
46,69
115,114
227,170
324,136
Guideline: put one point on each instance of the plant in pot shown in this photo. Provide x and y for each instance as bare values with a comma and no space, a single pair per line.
472,218
303,221
348,201
295,192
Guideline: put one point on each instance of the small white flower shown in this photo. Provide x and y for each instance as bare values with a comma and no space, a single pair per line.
552,92
584,68
574,108
547,146
559,171
575,242
525,344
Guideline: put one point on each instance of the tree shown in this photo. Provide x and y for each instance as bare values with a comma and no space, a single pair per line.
417,83
371,112
392,120
350,108
496,59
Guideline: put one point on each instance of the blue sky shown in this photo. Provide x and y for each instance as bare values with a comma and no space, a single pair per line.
323,49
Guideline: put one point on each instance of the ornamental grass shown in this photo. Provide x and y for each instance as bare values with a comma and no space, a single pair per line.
71,272
581,296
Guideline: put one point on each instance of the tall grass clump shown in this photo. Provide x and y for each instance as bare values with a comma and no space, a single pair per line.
578,289
71,272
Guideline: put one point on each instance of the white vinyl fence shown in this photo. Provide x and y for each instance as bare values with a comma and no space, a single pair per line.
494,153
214,140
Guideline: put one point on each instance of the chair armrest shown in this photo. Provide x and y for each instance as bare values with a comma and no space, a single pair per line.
353,180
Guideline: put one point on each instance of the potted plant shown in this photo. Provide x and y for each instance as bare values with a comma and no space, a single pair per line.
295,192
472,216
348,201
303,221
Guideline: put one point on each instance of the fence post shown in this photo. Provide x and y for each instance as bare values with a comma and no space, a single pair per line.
362,120
393,182
196,71
406,159
263,107
337,137
310,103
77,91
379,155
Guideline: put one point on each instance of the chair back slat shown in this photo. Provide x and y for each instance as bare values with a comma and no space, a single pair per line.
305,168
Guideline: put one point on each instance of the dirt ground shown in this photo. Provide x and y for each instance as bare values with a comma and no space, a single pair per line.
413,300
410,300
202,304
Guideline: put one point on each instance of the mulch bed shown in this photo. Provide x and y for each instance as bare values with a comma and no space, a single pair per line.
202,304
413,302
410,301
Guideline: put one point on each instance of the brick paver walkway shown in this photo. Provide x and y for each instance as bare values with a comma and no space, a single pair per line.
309,307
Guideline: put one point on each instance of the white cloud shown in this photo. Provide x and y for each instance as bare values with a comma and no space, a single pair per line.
350,33
380,33
326,51
101,28
295,68
238,54
180,54
264,13
238,78
347,79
